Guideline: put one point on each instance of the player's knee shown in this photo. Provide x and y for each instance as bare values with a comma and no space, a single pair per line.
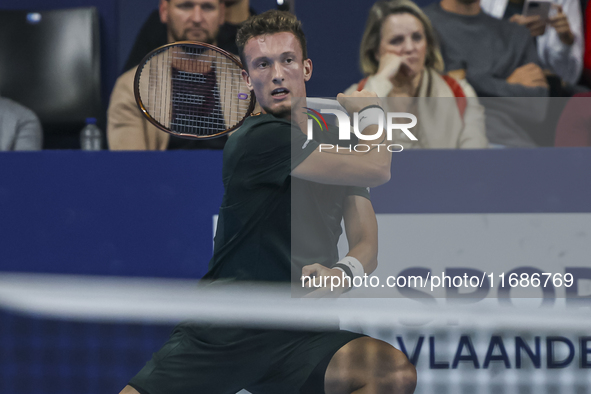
399,375
402,381
373,365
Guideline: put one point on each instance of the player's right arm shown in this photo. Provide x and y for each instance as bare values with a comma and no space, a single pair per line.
344,167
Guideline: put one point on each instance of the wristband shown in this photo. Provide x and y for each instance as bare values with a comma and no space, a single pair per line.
346,270
369,116
350,266
372,106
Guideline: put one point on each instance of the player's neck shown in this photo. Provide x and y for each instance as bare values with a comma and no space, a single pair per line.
237,13
458,7
301,121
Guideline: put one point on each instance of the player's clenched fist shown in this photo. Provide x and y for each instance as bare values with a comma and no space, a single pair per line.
326,282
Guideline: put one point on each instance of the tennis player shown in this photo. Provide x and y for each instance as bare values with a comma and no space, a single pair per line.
265,161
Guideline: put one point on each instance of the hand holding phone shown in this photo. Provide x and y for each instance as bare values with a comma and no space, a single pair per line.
559,22
534,17
540,8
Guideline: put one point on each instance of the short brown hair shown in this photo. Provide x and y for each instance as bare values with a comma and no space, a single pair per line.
372,36
270,22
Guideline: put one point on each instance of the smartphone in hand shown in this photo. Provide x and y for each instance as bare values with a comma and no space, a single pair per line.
537,7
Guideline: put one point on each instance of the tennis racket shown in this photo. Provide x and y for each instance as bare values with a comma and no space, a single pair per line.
193,90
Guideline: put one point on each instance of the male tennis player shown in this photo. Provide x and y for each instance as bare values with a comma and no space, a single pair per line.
264,162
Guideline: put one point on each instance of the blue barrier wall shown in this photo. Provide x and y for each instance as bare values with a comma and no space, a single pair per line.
109,213
150,213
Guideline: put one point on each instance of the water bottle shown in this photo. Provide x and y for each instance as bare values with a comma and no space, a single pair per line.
91,137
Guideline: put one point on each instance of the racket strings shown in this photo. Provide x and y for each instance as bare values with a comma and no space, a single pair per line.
194,91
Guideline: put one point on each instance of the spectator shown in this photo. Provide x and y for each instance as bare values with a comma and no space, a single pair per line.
559,39
20,128
499,59
574,125
237,11
127,129
401,57
153,33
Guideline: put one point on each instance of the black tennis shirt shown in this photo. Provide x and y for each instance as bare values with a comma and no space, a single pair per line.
271,224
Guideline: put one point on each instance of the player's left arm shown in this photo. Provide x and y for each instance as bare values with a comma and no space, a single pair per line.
361,228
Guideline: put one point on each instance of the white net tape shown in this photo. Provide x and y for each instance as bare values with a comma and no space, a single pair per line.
432,334
174,300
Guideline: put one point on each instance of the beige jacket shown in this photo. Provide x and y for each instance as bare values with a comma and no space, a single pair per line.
127,128
440,125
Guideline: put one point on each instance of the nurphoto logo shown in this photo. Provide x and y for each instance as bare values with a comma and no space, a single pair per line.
377,118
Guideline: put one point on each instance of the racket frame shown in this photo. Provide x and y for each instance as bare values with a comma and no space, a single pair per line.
140,104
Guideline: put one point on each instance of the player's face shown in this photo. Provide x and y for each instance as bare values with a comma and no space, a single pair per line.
276,71
404,35
192,20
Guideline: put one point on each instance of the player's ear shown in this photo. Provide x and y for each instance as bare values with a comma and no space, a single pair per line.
246,78
163,9
308,69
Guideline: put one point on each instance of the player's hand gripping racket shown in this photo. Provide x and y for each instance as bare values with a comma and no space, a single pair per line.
192,90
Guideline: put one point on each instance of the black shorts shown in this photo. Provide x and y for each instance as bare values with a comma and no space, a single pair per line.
220,360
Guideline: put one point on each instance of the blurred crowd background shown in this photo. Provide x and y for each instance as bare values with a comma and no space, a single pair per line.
65,64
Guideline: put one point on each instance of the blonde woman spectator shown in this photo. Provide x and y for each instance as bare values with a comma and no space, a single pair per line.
400,57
